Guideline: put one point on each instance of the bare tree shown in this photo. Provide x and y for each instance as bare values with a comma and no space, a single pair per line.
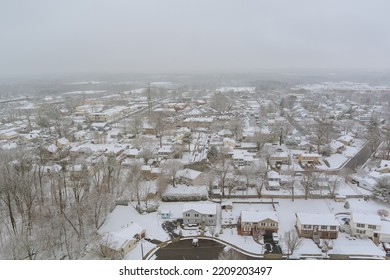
133,179
222,167
231,254
293,241
236,126
220,102
187,139
170,168
307,183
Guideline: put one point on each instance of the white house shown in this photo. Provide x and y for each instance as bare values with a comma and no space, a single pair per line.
200,213
366,225
116,245
273,180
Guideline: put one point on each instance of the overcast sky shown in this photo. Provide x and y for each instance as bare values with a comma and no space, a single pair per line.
53,36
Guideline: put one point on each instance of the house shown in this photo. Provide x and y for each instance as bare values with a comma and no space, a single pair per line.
146,171
242,157
200,214
273,180
311,225
115,245
384,166
329,182
225,133
336,147
165,152
109,114
191,177
279,158
347,140
198,121
309,158
62,142
365,225
9,135
257,222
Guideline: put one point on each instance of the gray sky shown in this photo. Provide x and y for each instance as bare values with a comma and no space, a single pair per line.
53,36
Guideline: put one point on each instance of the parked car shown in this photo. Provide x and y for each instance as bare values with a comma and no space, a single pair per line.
275,237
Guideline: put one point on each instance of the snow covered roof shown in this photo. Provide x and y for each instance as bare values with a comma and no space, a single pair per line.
189,173
257,216
224,132
346,138
336,144
52,148
385,227
273,174
384,164
63,141
317,219
358,247
365,219
118,238
203,208
194,119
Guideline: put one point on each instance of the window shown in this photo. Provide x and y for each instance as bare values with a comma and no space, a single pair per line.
188,215
210,216
371,226
306,226
272,224
360,225
360,231
211,222
333,227
262,224
196,215
324,227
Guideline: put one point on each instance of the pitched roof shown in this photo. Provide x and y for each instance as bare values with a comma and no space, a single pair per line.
365,219
203,208
317,219
257,216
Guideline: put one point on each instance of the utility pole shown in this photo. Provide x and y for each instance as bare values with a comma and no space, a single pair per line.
149,100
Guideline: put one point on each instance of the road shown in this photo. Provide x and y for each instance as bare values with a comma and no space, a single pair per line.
206,250
360,158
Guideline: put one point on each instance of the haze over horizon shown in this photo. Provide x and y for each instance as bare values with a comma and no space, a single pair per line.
46,37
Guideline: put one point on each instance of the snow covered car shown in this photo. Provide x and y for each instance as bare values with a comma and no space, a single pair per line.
275,237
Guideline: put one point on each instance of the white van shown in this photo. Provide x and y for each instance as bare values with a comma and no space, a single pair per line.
275,237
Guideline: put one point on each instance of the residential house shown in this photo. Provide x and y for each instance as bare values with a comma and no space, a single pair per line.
365,225
191,177
257,222
279,158
384,166
62,142
115,245
309,158
336,147
347,140
312,225
166,152
198,121
200,214
274,179
242,157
